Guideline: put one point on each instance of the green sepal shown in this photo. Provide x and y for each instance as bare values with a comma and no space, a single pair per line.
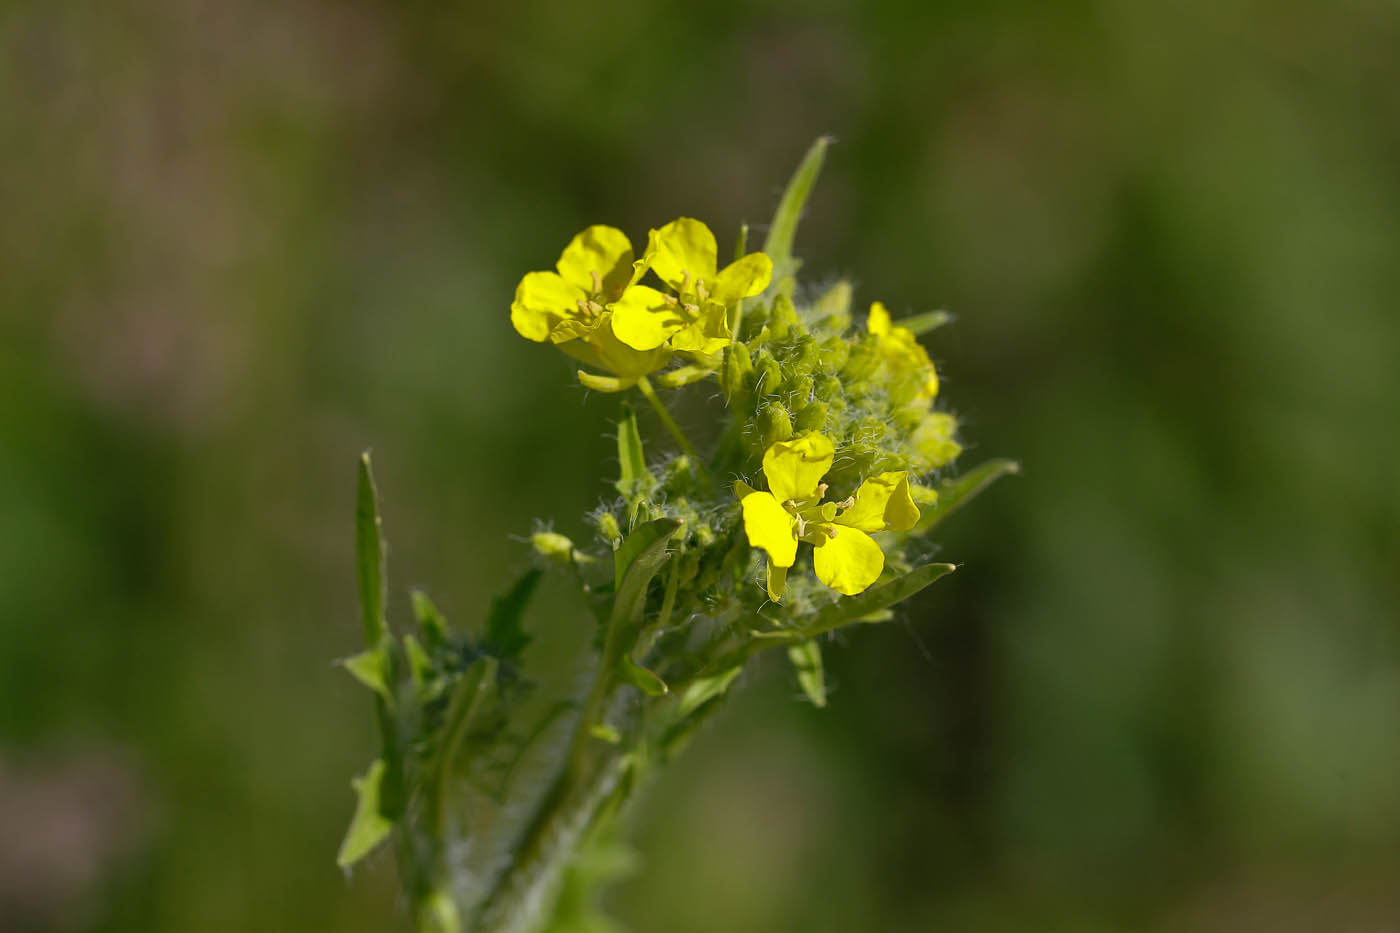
371,668
806,658
369,826
850,609
783,230
505,637
954,493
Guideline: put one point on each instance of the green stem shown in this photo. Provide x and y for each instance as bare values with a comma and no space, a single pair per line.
649,393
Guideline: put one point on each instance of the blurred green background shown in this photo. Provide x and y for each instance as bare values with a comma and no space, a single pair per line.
240,242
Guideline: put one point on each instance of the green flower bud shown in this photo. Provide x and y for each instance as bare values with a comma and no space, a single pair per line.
608,528
769,380
833,308
862,363
774,424
812,417
783,318
736,378
799,391
552,545
835,351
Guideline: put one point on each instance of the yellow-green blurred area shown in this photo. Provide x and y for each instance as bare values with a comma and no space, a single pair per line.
241,242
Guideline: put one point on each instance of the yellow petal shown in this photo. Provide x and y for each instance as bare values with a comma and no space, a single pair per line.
542,300
849,562
777,582
642,319
882,503
600,249
743,278
795,467
879,320
683,252
769,526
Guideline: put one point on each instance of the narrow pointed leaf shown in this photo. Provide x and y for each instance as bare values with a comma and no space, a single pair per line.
368,827
369,556
806,658
643,538
702,690
850,609
634,480
954,493
420,663
370,669
644,680
783,230
925,322
505,636
430,620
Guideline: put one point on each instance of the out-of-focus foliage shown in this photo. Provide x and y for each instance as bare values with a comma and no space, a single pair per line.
241,242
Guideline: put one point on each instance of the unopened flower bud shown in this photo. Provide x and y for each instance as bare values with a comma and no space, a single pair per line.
833,307
775,424
553,545
769,380
736,377
609,529
812,417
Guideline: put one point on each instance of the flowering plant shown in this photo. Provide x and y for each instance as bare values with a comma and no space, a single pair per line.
696,568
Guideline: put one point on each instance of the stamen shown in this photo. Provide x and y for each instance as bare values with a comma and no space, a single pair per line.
830,530
671,300
597,281
821,489
701,290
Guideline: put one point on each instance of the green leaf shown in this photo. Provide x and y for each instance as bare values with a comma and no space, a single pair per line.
371,669
420,663
369,557
806,659
505,636
923,323
430,620
850,609
954,493
605,733
643,540
644,680
783,230
639,559
369,826
702,690
635,482
464,712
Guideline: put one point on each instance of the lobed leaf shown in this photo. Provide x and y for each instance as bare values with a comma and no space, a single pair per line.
505,636
850,609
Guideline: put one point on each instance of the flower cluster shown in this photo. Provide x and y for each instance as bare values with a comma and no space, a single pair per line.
596,308
802,506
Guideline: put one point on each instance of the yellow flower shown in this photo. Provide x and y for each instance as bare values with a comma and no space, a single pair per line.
933,439
569,307
845,558
902,353
695,318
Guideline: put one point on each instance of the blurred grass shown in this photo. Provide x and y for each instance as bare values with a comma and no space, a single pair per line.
240,243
